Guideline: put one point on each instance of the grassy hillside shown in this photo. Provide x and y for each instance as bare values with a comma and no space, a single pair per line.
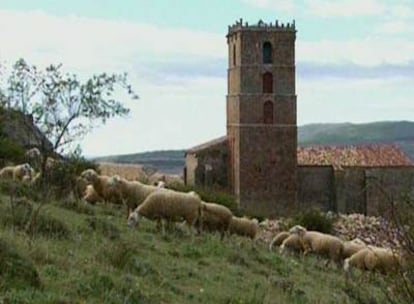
400,132
86,254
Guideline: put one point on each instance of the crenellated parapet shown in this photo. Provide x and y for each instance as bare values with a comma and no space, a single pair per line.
261,26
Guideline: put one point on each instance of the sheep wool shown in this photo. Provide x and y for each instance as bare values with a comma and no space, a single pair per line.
293,243
102,185
216,217
169,205
373,258
244,227
91,196
16,172
278,239
352,247
133,193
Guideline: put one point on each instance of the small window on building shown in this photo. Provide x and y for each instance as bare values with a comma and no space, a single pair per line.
234,55
268,112
267,82
267,52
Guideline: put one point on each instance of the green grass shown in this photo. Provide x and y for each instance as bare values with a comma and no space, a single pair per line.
80,254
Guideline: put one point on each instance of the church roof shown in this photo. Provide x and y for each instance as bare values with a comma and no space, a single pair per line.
370,155
208,144
362,155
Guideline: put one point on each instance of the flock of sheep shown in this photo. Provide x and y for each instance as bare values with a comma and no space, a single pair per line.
157,203
164,205
350,254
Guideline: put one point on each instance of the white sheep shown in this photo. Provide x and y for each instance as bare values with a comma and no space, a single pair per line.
373,258
353,246
216,217
278,239
244,227
34,157
293,243
322,244
102,186
91,196
16,172
132,193
168,205
80,187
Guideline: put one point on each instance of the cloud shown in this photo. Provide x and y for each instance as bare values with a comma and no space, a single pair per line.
180,75
94,43
288,6
324,8
367,51
311,70
345,8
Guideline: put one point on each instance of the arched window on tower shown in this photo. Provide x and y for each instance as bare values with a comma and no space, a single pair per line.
268,112
267,52
234,55
267,82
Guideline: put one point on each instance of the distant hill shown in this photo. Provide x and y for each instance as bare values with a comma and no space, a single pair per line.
384,132
168,161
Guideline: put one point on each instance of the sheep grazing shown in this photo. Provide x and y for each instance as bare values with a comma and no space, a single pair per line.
16,172
90,196
169,205
322,244
353,246
102,185
215,218
293,243
373,258
132,193
80,187
278,239
244,227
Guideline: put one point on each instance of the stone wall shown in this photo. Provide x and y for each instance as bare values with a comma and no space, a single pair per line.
209,167
384,186
316,188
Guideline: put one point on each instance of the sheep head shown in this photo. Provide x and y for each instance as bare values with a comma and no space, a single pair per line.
298,229
26,169
133,219
89,175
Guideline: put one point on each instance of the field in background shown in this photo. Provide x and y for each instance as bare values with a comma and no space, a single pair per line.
128,171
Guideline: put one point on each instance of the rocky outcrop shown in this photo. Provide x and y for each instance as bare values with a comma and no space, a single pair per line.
21,129
373,230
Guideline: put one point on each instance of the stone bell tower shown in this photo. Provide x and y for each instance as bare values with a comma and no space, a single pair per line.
261,116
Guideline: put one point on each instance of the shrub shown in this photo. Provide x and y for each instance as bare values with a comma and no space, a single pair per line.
10,151
62,178
16,272
313,220
108,229
208,195
48,225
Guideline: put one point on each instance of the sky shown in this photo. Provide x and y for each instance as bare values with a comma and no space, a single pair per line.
354,60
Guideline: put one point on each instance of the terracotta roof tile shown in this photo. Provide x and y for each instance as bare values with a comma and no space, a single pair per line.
361,155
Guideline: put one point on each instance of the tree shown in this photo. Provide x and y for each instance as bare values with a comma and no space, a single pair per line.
64,108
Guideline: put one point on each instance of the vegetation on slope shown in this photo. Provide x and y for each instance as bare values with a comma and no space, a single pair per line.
82,254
